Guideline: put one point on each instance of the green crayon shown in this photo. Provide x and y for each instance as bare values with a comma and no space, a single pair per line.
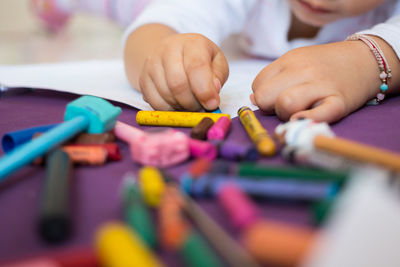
136,213
263,172
197,253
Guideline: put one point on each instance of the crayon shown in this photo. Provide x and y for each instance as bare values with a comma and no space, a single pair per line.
202,149
196,252
113,152
218,110
220,129
173,226
71,257
199,167
264,143
54,223
278,243
86,155
87,113
222,242
174,118
240,209
316,158
94,139
236,151
311,135
11,140
119,246
257,171
152,185
200,130
279,189
160,148
136,214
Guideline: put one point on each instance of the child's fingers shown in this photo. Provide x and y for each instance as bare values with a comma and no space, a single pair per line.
330,110
220,69
177,80
151,95
266,93
197,63
297,98
157,75
267,73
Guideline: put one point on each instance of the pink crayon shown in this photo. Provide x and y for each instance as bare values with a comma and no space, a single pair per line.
202,149
155,148
241,211
127,133
220,129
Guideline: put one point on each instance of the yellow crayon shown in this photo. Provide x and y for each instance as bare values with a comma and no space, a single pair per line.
152,185
119,246
264,143
175,118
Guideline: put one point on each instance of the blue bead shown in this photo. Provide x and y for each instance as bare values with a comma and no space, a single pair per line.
384,87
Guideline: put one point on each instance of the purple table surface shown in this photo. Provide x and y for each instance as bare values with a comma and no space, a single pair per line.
95,189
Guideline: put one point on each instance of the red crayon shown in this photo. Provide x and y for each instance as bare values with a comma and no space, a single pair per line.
76,257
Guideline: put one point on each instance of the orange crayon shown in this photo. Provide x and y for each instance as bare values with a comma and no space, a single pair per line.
277,243
86,155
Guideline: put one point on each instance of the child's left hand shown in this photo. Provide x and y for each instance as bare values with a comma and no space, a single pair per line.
322,82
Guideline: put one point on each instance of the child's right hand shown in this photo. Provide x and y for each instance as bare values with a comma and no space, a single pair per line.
183,72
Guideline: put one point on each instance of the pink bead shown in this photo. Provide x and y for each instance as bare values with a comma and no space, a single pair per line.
241,211
219,130
380,96
203,149
383,75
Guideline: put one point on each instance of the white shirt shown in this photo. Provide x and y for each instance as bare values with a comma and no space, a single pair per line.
264,24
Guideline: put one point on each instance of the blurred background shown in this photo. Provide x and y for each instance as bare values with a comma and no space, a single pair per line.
24,40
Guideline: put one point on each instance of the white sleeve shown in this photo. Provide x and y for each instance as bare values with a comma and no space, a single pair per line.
215,19
388,31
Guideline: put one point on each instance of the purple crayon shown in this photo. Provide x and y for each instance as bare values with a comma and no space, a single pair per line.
287,189
220,129
241,211
237,151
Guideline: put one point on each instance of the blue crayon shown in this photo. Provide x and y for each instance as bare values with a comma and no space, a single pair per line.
11,140
209,186
217,111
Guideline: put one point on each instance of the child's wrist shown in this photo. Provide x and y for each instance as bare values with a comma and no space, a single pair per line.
385,72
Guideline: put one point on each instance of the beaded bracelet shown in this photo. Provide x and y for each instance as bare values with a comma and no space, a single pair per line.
385,71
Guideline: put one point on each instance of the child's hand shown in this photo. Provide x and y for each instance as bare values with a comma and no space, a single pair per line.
323,82
185,71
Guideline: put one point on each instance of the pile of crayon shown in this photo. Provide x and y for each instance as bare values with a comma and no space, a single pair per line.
87,137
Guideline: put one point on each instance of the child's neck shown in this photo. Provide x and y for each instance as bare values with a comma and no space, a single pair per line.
299,29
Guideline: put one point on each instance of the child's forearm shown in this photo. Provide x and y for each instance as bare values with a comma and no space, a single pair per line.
139,46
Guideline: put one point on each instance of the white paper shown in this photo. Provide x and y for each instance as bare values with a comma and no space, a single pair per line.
107,79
